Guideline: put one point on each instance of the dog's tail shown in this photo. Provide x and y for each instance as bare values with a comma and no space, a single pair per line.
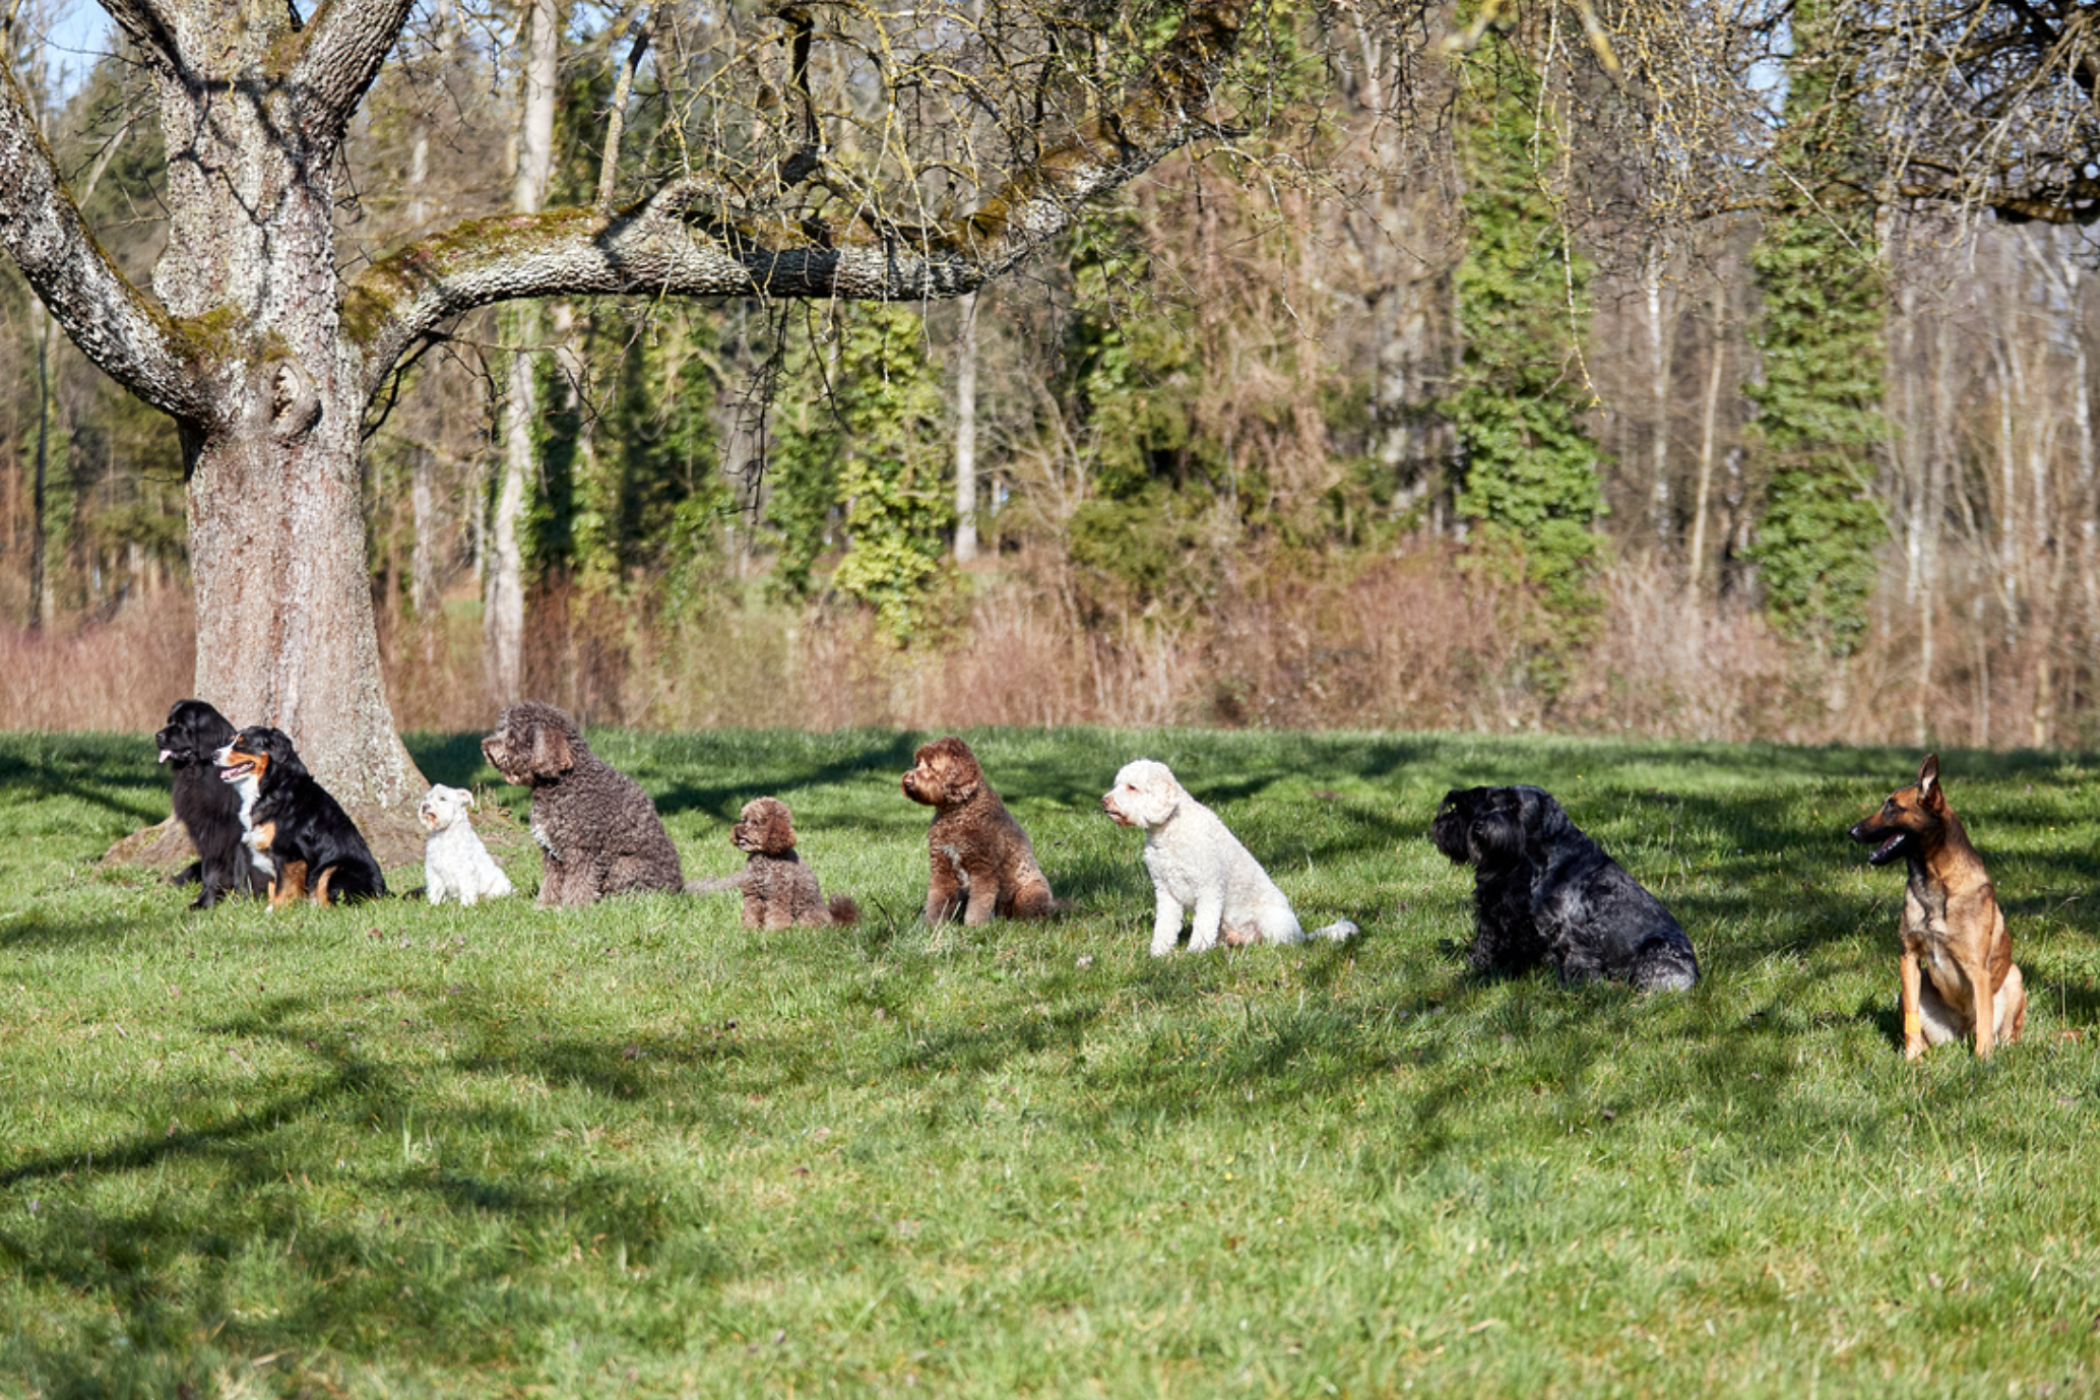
844,911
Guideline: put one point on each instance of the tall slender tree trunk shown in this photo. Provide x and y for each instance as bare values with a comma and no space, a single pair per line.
503,615
966,433
39,526
1709,434
1659,346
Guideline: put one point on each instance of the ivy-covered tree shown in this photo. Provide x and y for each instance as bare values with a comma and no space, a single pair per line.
1529,469
867,459
1133,372
1821,343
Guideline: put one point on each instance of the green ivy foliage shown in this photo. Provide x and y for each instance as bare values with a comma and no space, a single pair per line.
859,455
1820,340
1529,472
630,465
1154,479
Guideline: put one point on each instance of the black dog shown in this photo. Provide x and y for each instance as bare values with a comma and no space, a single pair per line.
1544,892
297,833
209,810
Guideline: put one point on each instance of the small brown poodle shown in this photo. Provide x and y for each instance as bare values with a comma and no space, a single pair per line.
779,890
982,862
598,831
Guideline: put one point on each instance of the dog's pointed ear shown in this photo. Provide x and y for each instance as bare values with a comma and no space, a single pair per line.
550,751
1929,783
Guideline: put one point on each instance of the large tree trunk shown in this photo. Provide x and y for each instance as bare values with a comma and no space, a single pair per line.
285,632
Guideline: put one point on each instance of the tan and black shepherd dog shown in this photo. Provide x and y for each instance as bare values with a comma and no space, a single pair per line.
1953,933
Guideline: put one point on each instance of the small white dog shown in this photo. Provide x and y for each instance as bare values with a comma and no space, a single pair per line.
1195,861
454,860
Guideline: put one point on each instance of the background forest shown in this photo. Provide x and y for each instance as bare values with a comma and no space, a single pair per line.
1441,404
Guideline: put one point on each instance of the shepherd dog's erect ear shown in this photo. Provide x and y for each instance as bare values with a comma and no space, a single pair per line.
550,751
1929,783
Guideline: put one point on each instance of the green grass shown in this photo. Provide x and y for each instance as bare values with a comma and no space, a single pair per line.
394,1150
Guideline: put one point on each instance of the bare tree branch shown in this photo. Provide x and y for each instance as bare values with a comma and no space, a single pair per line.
125,332
693,238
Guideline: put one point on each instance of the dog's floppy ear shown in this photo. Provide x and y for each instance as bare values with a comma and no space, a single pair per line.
1496,835
1545,820
777,826
956,770
1929,784
550,751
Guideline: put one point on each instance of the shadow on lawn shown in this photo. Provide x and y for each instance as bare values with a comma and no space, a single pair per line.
89,769
180,1272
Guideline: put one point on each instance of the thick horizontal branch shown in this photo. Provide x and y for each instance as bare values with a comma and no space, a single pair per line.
339,59
126,333
690,239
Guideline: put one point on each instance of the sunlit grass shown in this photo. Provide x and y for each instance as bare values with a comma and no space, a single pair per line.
639,1149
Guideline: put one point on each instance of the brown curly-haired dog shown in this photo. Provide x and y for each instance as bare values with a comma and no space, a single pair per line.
597,829
982,862
779,890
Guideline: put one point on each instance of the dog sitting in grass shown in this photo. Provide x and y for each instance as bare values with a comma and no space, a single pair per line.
1955,943
1197,864
1543,892
982,862
598,832
209,810
779,890
455,862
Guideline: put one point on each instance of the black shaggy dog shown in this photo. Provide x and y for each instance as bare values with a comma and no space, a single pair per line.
209,810
1544,892
598,831
297,834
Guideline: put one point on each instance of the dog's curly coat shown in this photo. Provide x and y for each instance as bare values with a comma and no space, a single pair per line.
597,829
1196,862
779,890
982,862
1545,892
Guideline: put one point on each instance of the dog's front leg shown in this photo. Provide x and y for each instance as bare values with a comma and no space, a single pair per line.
1166,922
983,903
1913,1020
1203,928
1981,1003
943,885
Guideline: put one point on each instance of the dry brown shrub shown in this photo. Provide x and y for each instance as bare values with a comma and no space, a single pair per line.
121,674
1412,641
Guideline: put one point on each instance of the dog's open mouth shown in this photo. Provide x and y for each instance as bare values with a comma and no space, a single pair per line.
234,766
1889,849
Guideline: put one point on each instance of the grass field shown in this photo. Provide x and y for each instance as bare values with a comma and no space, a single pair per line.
638,1150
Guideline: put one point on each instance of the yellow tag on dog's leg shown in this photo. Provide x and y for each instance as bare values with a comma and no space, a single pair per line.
1913,1025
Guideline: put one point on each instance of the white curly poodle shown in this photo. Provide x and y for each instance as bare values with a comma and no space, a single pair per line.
454,860
1195,862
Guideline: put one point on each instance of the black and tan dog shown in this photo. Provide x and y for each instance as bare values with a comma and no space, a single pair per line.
1953,933
298,835
208,809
